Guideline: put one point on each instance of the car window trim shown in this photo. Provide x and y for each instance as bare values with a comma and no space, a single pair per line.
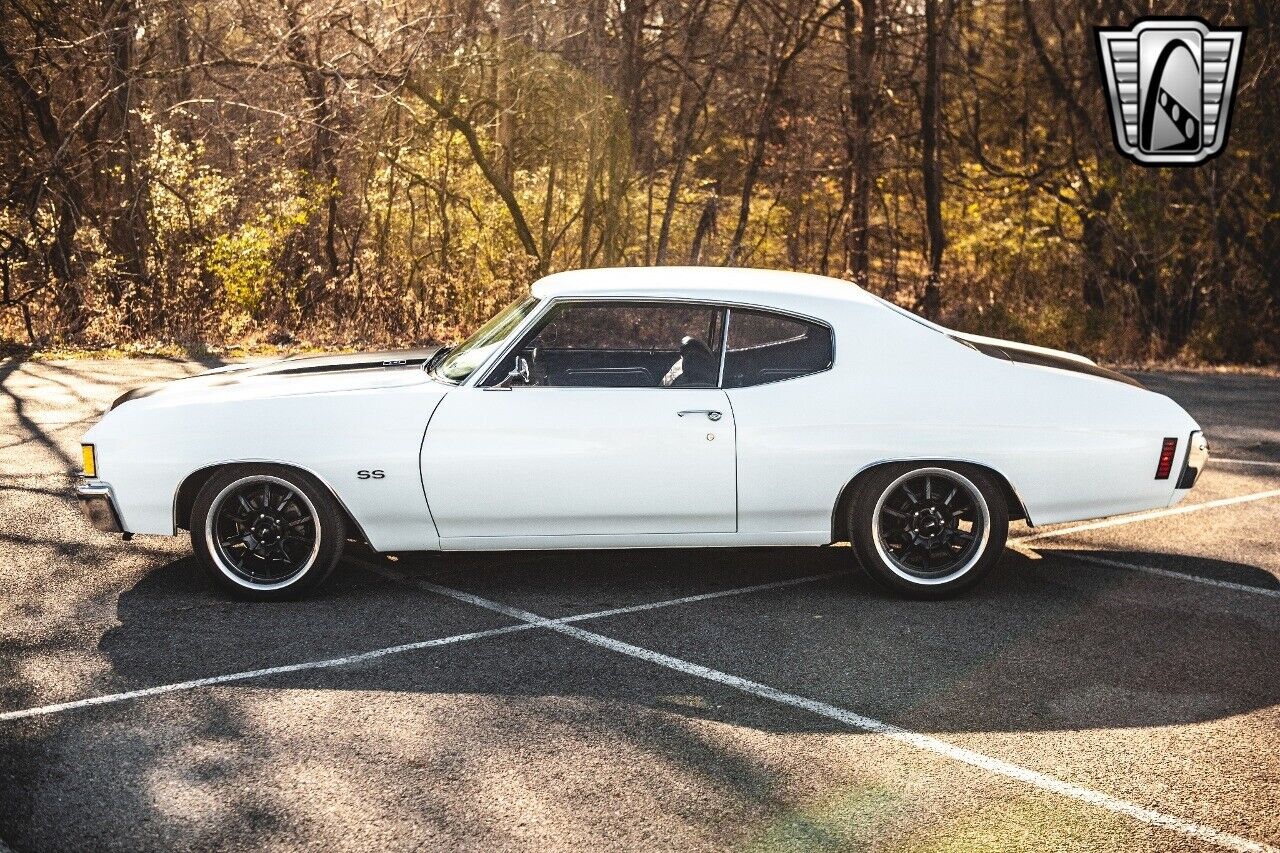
523,337
482,371
469,379
485,371
790,315
724,345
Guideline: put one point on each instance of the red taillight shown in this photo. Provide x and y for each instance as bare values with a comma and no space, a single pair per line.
1167,451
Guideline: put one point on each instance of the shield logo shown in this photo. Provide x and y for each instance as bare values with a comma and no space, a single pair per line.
1170,84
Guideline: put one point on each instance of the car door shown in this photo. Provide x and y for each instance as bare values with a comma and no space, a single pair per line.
621,429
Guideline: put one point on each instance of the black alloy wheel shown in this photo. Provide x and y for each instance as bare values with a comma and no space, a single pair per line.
263,530
929,524
928,530
266,531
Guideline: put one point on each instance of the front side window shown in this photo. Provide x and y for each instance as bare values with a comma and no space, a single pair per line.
463,359
617,344
766,347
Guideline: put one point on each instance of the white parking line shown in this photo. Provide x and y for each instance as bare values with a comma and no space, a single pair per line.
1165,573
1245,462
690,599
854,720
1147,516
329,663
255,673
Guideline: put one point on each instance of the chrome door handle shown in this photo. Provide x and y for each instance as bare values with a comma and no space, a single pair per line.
712,414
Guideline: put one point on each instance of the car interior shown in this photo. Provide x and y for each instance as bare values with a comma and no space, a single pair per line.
654,345
806,351
693,365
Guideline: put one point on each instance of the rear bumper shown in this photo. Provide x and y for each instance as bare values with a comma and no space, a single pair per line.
1197,457
98,506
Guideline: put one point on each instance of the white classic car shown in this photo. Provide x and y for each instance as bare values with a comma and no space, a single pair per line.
627,408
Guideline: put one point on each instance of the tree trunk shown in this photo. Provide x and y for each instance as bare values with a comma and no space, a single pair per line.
322,162
1266,24
127,224
930,119
706,224
686,122
60,256
863,81
631,74
1092,237
759,145
509,29
181,34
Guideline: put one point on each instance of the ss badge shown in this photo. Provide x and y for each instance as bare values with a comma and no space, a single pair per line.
375,474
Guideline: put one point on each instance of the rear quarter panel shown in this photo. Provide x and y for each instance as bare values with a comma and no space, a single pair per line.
1072,446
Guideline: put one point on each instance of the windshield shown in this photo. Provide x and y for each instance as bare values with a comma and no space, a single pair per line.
463,359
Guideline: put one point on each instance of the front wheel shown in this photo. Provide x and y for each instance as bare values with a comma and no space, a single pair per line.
266,532
928,530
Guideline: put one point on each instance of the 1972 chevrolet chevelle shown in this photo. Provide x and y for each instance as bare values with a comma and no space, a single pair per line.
623,408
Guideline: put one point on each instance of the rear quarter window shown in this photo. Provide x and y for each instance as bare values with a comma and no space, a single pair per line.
765,347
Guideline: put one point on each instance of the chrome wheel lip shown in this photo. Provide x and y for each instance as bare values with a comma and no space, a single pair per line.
894,565
215,547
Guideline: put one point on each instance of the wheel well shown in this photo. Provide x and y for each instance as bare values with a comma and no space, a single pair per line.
839,529
190,488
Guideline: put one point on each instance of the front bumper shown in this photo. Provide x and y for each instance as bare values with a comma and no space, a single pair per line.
98,506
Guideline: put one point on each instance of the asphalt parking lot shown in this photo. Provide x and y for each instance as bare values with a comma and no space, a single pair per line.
1110,687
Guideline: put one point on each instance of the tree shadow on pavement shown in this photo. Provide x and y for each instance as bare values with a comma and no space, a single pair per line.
1043,644
1192,567
1040,646
29,430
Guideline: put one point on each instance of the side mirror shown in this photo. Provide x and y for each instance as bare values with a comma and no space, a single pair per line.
519,372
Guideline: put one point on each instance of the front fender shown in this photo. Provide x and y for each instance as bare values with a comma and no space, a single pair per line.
146,453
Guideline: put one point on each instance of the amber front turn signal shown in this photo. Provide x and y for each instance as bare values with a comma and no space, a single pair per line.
90,460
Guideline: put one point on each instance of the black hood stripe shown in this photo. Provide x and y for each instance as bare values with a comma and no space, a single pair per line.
301,365
1042,359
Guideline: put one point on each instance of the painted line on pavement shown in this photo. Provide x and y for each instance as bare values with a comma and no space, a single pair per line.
195,683
1215,461
329,663
854,720
1147,516
705,596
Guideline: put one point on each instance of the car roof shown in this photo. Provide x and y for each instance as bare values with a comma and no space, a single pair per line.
715,284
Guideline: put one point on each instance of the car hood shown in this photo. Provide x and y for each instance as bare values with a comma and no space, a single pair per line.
313,374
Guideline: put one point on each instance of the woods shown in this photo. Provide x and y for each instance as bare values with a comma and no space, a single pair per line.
349,172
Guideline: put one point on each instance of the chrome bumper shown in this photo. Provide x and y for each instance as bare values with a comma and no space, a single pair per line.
99,507
1197,458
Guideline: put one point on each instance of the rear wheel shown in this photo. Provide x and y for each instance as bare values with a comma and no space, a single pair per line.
266,532
928,530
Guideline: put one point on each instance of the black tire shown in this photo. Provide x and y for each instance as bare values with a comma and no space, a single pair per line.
266,532
938,545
